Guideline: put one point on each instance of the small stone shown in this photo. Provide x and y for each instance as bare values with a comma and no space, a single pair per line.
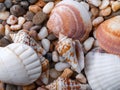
55,56
97,21
49,56
32,1
48,7
33,34
34,8
4,42
11,87
24,4
60,66
67,73
29,16
115,6
4,15
48,0
2,7
2,1
46,44
36,28
7,30
105,12
12,20
17,10
8,3
43,33
94,11
40,3
104,4
81,78
96,3
54,73
51,37
61,59
39,18
2,30
29,87
27,25
21,20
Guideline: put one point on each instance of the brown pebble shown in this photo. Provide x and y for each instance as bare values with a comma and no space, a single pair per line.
27,25
95,11
2,1
29,87
33,34
36,28
39,17
4,42
2,30
34,8
29,15
40,3
1,86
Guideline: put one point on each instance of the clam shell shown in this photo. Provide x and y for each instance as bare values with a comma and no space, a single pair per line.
102,70
20,64
23,37
108,34
71,19
72,52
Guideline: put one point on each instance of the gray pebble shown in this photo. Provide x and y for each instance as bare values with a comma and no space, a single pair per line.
8,3
51,37
17,10
32,1
24,4
27,25
49,56
48,0
11,87
36,28
29,16
2,7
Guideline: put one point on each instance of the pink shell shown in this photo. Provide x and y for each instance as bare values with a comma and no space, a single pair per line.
71,19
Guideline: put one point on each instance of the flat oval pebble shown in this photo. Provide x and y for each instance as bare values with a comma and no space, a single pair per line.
48,7
8,3
29,15
4,15
46,44
2,7
55,56
24,4
27,25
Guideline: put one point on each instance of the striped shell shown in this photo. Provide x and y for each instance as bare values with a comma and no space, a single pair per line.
102,70
108,34
71,19
20,64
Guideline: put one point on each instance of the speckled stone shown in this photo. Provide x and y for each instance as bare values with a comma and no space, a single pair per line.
36,28
2,7
27,25
29,15
8,3
32,1
24,4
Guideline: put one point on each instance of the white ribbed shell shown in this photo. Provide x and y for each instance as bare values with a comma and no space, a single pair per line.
19,64
103,71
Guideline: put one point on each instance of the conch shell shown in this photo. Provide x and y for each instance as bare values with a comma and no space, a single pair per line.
20,64
23,37
102,70
72,52
71,19
108,34
67,84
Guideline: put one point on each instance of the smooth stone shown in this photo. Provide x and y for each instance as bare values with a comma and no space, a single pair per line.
32,1
4,15
29,16
8,3
2,7
27,25
24,4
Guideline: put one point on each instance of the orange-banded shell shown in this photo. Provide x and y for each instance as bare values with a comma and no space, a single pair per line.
108,35
71,19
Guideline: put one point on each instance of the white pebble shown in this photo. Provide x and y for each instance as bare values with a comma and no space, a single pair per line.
21,20
105,12
97,21
46,44
88,43
104,4
60,66
115,6
43,33
12,20
96,3
7,30
54,73
55,57
48,7
81,78
15,27
4,15
85,5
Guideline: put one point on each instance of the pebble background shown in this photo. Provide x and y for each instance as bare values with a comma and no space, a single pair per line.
32,16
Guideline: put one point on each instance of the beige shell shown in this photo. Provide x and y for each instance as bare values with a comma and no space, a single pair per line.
20,64
23,37
71,19
72,52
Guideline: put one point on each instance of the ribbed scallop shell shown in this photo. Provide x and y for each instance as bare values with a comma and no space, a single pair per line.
23,37
102,70
19,64
108,35
71,19
72,52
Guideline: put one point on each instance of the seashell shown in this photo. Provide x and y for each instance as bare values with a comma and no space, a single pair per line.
66,73
20,64
21,20
12,20
54,73
81,78
102,70
72,52
108,33
15,27
23,37
71,19
67,84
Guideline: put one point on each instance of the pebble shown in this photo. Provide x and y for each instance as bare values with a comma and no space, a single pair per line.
60,66
33,34
21,20
96,3
104,4
88,43
105,12
12,20
54,73
4,15
8,3
41,88
97,21
17,10
29,16
81,78
32,1
39,17
24,4
2,30
2,7
40,3
51,37
115,6
48,0
46,44
43,33
49,56
61,59
94,11
15,27
55,56
48,7
27,25
11,87
34,8
36,28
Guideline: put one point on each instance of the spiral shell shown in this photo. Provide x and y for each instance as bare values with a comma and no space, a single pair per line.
71,19
108,34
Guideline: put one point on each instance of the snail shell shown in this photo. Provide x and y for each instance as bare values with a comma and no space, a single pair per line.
71,19
19,64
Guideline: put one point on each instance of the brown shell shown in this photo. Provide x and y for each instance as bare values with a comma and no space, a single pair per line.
71,19
108,35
